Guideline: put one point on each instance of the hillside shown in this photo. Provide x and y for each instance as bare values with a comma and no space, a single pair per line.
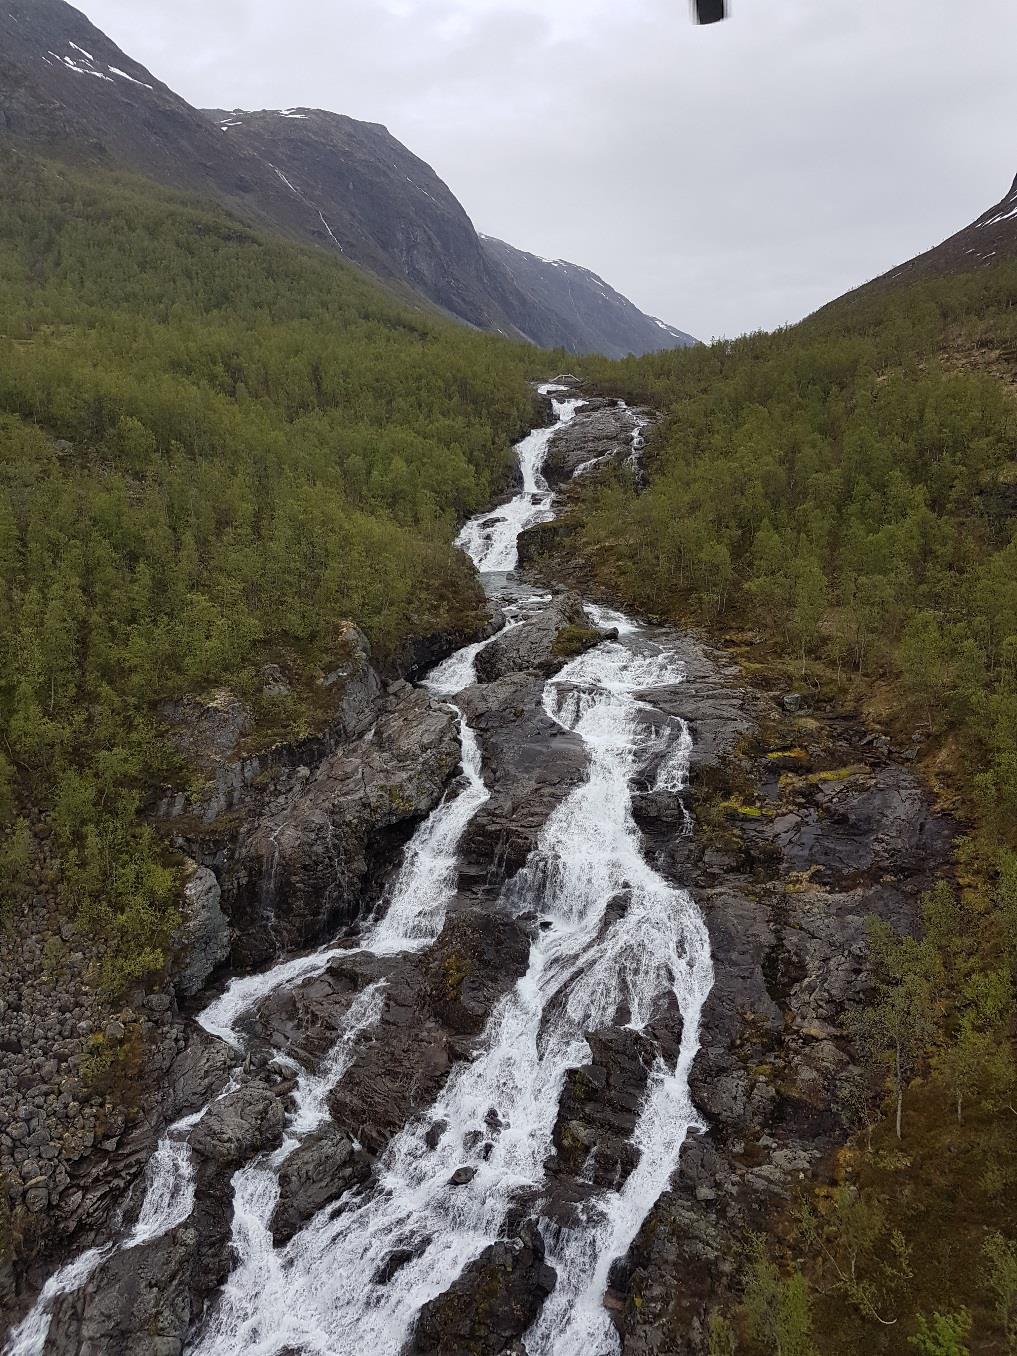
592,316
837,502
179,400
989,240
68,92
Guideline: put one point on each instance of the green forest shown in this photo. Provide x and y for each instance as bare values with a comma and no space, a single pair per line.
845,493
215,448
218,448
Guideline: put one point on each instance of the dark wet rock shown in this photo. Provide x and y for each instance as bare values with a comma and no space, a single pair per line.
787,922
717,711
238,1126
466,970
491,1305
401,1072
296,833
530,763
138,1303
600,1104
544,539
301,866
435,1003
204,937
304,1022
597,431
196,1073
544,644
326,1165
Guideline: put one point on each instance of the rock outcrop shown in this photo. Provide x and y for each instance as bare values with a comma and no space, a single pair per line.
543,644
489,1308
601,432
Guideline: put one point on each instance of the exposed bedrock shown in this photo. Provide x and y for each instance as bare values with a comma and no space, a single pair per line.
531,764
542,645
602,431
787,869
298,836
489,1308
143,1300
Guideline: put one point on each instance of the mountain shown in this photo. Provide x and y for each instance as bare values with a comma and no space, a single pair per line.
386,210
604,320
990,239
69,92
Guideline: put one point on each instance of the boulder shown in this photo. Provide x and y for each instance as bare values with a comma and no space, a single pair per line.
204,937
489,1307
326,1165
238,1126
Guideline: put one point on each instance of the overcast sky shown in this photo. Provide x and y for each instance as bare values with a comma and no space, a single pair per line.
725,178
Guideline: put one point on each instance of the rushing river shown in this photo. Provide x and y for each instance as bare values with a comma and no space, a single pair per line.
328,1290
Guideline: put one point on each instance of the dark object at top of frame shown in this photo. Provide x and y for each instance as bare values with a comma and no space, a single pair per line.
710,11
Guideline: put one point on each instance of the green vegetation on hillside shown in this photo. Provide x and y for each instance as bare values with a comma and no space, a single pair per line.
214,449
846,491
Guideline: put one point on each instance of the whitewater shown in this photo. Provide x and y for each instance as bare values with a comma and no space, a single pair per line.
329,1292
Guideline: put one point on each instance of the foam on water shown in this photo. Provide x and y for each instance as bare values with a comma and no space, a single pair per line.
491,540
329,1291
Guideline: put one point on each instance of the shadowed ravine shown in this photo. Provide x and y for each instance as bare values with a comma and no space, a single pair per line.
613,946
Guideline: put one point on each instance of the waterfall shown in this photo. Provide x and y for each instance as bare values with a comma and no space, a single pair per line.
613,942
491,540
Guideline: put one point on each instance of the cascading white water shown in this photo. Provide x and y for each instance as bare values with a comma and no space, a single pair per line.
310,1097
327,1292
29,1337
613,938
491,540
421,891
169,1186
673,773
169,1199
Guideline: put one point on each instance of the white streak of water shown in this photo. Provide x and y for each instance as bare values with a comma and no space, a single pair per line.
310,1097
496,1114
491,540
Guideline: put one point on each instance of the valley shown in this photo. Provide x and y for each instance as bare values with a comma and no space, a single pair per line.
508,814
559,1059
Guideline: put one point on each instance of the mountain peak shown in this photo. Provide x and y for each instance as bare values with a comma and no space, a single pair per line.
324,178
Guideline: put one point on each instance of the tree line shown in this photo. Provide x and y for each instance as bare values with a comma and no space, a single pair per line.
215,449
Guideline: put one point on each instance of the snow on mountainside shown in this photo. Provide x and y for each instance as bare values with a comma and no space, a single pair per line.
990,238
68,92
604,320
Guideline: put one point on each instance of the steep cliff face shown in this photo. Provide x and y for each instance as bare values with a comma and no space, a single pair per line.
385,209
69,92
592,317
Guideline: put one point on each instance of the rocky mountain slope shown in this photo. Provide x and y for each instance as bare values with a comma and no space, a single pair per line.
604,320
69,92
990,239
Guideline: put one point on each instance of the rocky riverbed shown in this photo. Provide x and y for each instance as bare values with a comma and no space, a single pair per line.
787,827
